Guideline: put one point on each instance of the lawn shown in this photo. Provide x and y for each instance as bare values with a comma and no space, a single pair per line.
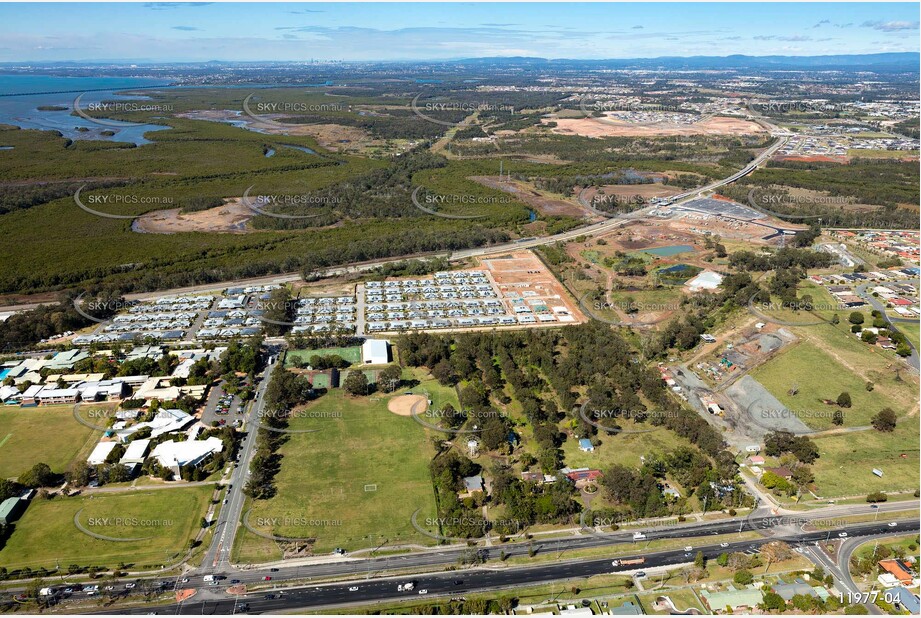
912,331
846,461
46,434
817,375
166,519
355,483
351,354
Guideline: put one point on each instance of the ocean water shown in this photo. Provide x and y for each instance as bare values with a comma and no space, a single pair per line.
22,95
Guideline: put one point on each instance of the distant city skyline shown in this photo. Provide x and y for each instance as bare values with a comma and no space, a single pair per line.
203,31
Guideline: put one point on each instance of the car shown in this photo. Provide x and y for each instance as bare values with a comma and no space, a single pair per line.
107,588
353,588
184,580
274,570
423,591
235,581
68,590
267,578
842,534
130,585
225,501
639,574
724,544
458,582
687,554
892,524
269,596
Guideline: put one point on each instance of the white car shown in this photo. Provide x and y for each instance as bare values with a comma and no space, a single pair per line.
423,591
129,586
688,548
724,544
353,588
842,534
892,524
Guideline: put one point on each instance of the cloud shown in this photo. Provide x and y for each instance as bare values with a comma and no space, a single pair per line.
847,25
498,25
733,38
822,23
637,27
797,38
890,26
168,6
305,11
187,28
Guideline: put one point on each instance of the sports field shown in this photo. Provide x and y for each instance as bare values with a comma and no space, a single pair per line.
164,519
351,354
354,483
48,434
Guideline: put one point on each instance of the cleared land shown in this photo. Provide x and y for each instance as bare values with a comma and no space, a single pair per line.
598,127
46,434
355,483
229,218
166,519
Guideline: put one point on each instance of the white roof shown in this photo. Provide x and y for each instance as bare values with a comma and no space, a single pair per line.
99,454
190,452
135,452
375,349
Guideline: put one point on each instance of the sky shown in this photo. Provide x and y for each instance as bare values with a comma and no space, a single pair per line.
202,31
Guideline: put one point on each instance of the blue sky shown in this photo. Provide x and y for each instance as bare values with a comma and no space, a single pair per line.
158,31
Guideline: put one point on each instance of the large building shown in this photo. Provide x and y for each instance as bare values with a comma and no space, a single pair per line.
375,352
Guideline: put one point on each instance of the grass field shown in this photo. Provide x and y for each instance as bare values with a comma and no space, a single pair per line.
846,461
351,354
818,376
46,535
353,484
46,434
912,331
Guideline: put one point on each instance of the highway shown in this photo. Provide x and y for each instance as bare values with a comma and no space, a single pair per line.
477,579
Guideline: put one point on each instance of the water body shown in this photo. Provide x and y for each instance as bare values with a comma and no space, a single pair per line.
22,95
669,250
301,148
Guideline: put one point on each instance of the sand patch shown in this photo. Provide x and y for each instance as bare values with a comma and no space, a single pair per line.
405,405
607,127
229,218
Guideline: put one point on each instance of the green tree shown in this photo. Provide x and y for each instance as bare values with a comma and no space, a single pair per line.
356,383
844,400
856,318
884,420
743,577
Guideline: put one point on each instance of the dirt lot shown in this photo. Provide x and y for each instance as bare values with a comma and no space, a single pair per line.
597,127
545,205
230,218
644,191
404,405
522,276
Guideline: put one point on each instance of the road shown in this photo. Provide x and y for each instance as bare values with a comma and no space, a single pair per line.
587,230
217,557
913,361
478,579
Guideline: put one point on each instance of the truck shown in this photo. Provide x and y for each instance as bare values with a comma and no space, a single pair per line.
628,562
208,578
406,587
639,536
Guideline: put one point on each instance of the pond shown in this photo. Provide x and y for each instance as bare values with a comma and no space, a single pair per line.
669,251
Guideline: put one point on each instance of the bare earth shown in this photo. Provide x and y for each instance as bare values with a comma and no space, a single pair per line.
598,127
230,218
403,405
544,205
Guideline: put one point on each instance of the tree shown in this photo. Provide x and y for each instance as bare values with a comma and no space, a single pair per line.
356,383
844,400
699,560
869,337
837,417
856,610
389,378
884,420
743,577
855,318
773,602
39,475
877,496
